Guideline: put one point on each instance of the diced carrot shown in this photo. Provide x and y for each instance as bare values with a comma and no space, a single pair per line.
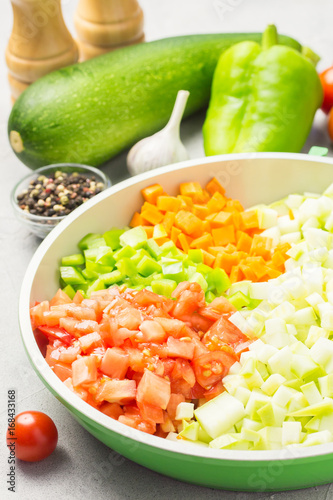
236,274
168,203
168,221
206,227
216,250
283,247
261,246
249,219
214,186
136,220
175,232
187,202
226,261
149,231
234,206
220,219
185,242
248,272
150,213
200,211
151,193
204,242
273,273
278,259
244,241
190,189
224,235
237,220
216,203
188,222
208,258
230,248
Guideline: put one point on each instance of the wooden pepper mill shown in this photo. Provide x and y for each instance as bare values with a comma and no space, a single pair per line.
39,43
104,25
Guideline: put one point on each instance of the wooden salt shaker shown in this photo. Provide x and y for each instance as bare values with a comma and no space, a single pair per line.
104,25
39,43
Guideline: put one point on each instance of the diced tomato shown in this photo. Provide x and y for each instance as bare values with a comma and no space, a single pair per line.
135,359
136,355
113,410
151,331
62,371
153,390
56,333
115,363
225,332
173,327
150,412
212,367
197,391
90,340
137,423
117,391
81,313
183,371
180,349
84,370
174,401
220,305
86,326
70,354
60,298
69,324
214,391
36,313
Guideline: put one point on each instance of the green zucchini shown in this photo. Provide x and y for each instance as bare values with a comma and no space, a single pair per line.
91,111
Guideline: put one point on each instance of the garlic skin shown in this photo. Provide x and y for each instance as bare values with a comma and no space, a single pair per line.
162,148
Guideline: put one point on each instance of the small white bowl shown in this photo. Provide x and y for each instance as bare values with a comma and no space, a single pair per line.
39,224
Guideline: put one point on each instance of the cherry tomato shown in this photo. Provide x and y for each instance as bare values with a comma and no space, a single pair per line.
34,436
326,78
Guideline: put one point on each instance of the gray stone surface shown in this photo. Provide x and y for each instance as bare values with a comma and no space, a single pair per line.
80,467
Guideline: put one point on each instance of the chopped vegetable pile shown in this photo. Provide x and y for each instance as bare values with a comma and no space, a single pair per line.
175,340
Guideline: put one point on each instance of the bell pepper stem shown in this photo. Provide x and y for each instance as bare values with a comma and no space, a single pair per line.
310,55
269,37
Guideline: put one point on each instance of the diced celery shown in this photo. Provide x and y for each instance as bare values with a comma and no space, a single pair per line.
153,248
174,271
76,259
239,300
139,254
210,296
126,267
69,290
124,252
95,286
91,240
163,286
135,238
148,266
71,275
112,238
195,255
111,278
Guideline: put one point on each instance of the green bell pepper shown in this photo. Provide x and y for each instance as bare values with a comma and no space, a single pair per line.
263,98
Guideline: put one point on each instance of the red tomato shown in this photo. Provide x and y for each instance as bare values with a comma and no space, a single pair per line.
326,78
34,437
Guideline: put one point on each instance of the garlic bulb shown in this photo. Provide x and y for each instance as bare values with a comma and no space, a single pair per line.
162,148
